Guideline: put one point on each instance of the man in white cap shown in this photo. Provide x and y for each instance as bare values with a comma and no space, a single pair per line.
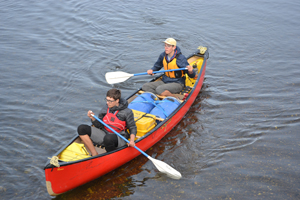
172,82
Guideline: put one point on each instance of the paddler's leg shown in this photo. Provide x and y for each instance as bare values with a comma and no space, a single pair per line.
169,89
151,86
89,144
84,132
110,142
167,94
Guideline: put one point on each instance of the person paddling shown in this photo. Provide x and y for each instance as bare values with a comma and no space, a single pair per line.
172,82
116,115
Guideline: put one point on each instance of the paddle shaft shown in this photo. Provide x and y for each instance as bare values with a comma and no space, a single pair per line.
118,77
119,135
169,70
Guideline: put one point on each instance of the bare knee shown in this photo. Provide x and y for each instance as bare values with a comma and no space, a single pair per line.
166,93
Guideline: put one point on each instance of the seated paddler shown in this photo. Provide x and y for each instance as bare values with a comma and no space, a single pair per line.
174,81
117,116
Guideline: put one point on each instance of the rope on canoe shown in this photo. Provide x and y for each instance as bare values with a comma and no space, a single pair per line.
54,161
202,49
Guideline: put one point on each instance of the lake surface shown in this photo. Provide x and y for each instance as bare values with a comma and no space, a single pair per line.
240,139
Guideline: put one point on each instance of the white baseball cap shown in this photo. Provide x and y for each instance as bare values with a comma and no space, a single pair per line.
170,41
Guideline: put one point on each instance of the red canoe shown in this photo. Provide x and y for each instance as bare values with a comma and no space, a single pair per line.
71,174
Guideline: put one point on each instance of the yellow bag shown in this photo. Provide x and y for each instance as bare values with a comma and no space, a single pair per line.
191,81
144,122
73,152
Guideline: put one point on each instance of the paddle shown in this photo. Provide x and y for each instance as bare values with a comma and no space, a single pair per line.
160,165
118,77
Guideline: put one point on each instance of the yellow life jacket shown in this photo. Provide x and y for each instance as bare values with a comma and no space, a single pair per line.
172,65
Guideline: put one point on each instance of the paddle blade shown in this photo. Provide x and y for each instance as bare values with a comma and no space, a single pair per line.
117,77
165,168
